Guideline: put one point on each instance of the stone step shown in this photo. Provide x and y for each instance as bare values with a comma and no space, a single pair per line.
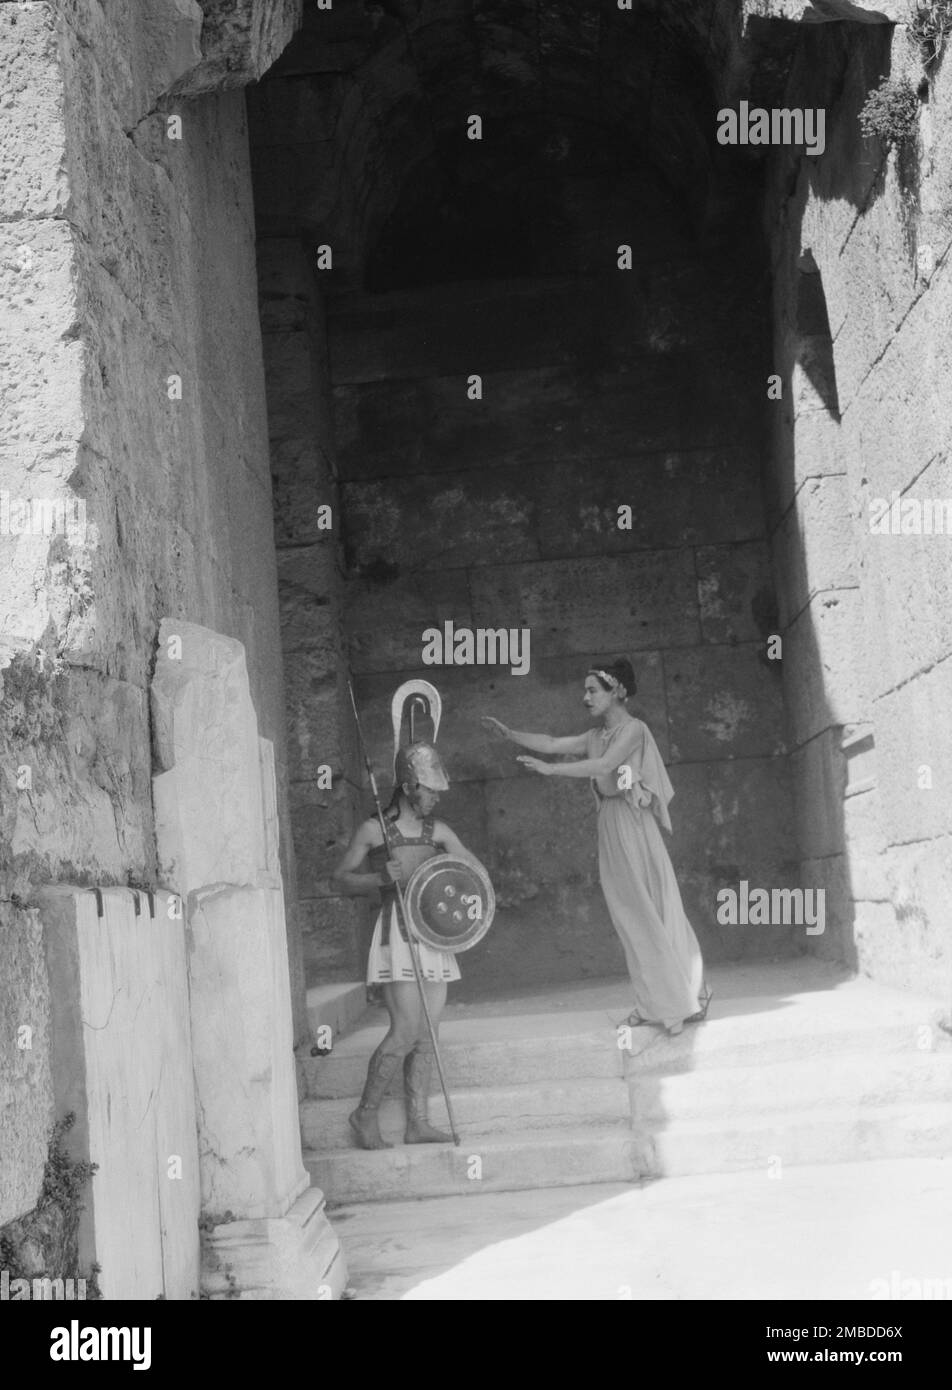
496,1163
337,1007
553,1050
483,1063
854,1080
763,1040
855,1134
543,1105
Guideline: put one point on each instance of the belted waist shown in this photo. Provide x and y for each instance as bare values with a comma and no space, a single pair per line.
388,898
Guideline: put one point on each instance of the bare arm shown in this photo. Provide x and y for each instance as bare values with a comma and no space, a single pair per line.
450,841
613,757
539,743
346,875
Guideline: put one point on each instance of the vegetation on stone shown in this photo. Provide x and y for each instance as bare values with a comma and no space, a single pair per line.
44,1243
890,111
931,26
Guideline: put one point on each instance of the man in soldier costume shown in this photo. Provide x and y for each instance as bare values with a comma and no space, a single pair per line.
414,835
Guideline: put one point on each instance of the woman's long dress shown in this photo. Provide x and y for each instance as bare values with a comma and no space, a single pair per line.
637,878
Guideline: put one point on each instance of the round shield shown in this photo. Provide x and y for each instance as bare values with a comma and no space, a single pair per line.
450,902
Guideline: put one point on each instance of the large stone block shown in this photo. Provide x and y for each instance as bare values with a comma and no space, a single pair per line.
813,546
296,1258
501,516
541,832
33,177
319,717
243,1047
523,418
906,942
838,938
120,1041
26,1086
205,734
631,603
732,820
818,774
907,587
85,741
822,662
308,586
866,845
486,516
437,330
285,292
701,497
914,757
140,50
41,360
387,613
735,592
723,702
323,820
336,936
898,420
240,41
807,446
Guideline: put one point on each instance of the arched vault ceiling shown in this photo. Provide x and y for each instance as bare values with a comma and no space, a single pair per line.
379,93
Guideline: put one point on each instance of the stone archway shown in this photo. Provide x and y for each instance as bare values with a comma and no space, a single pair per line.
592,263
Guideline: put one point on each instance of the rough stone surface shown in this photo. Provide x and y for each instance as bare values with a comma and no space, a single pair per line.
866,615
205,735
225,868
240,41
122,1062
249,1143
26,1088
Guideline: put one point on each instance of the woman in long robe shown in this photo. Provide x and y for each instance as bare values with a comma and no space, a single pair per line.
632,790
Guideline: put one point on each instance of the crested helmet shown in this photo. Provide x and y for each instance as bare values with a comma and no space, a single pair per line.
417,761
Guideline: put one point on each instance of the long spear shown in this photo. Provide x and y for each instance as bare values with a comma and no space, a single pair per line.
405,917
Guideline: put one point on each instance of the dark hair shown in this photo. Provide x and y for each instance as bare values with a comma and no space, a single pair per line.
621,668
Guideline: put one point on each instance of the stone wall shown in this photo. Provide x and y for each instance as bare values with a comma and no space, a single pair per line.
323,771
122,1064
863,299
133,389
600,388
597,392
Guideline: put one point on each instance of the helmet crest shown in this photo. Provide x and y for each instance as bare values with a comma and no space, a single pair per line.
417,761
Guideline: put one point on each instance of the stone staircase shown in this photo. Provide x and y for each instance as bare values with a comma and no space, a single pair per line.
796,1064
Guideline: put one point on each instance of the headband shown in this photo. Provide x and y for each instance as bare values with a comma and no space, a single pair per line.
613,682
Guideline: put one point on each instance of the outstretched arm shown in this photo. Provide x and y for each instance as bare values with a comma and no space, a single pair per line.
539,743
613,757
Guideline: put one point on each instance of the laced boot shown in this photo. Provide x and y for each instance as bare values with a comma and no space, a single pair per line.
363,1121
416,1078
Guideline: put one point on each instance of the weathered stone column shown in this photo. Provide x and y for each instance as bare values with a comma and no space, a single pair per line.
121,1062
217,836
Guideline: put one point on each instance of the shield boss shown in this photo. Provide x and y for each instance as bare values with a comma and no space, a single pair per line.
450,902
